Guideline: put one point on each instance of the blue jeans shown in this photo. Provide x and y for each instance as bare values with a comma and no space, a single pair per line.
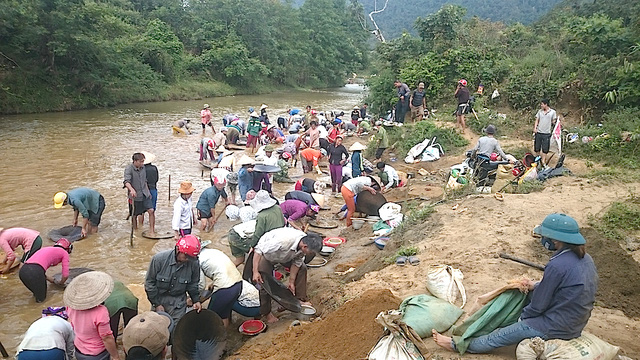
154,197
246,311
501,337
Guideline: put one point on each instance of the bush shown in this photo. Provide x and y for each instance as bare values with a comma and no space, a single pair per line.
610,148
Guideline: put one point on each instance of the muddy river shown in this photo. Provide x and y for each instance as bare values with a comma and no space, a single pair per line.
42,154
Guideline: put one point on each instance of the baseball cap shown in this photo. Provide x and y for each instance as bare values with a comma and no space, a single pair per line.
148,330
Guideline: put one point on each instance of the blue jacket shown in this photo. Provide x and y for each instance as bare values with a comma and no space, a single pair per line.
561,303
357,166
209,199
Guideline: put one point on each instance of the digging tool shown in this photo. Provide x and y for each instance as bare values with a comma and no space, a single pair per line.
522,261
474,114
3,351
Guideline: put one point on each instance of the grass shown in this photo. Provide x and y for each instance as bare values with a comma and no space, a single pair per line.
403,138
526,187
620,218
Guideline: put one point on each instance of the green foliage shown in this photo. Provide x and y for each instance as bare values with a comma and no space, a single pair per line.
608,145
65,54
396,17
407,251
407,136
620,218
441,28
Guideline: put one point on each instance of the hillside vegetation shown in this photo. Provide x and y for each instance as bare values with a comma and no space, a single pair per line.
68,54
583,56
399,16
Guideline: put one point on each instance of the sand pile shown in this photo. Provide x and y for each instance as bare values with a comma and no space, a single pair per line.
348,333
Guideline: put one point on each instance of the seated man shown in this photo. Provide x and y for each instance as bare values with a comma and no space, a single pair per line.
489,144
294,210
388,175
288,247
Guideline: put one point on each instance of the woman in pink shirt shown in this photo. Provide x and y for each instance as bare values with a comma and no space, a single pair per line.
33,272
205,115
84,298
10,239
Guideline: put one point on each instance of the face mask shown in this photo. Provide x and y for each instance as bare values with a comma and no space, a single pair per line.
547,243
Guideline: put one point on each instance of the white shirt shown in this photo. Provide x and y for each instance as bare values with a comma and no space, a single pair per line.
182,214
48,333
357,184
271,160
545,120
217,266
249,297
323,132
245,229
281,246
392,175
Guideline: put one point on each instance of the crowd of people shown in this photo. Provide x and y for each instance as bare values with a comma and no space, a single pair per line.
269,234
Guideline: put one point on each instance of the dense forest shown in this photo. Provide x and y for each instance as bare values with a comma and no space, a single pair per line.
583,55
69,54
399,16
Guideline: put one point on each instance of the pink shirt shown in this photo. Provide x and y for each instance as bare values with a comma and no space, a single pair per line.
11,238
51,256
205,114
90,327
314,137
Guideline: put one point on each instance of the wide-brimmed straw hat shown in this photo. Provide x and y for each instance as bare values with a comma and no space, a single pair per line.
355,107
262,201
186,187
263,106
318,198
206,106
245,160
148,157
357,147
88,290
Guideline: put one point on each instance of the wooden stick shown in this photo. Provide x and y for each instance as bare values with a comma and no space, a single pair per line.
522,261
3,351
133,220
169,192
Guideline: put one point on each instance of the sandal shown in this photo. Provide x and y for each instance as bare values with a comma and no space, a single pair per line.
413,260
499,196
401,260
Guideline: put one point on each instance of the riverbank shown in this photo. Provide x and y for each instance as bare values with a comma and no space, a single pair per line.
33,99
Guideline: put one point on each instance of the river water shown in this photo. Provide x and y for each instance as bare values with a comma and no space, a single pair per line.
42,154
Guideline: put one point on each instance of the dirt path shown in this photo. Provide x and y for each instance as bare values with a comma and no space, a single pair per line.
469,238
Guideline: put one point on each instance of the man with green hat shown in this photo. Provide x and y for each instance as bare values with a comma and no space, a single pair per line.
561,302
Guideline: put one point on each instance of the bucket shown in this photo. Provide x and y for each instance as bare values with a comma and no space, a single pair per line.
306,313
357,224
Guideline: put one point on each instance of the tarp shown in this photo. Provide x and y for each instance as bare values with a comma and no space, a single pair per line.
502,311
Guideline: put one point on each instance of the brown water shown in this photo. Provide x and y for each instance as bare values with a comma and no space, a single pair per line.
42,154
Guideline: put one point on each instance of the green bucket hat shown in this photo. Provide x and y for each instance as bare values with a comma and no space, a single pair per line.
560,227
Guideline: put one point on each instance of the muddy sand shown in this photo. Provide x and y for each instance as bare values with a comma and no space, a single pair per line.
470,238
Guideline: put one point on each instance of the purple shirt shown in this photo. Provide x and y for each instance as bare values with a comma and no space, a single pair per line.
51,256
294,209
